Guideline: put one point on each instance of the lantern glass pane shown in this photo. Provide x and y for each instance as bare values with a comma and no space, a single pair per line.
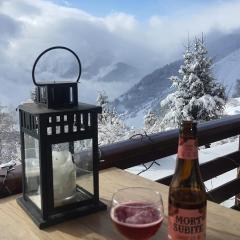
83,158
72,172
64,174
32,170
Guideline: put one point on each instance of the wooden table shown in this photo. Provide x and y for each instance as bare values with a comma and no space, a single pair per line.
222,223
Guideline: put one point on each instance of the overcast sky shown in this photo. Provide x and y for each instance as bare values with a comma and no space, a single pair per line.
146,33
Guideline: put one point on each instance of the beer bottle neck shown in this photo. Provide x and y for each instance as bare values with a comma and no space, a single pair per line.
187,166
187,148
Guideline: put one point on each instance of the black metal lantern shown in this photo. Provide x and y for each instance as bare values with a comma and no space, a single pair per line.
59,150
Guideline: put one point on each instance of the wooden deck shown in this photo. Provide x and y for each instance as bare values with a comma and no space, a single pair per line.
222,223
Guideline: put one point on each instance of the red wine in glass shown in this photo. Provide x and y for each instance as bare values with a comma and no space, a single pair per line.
137,220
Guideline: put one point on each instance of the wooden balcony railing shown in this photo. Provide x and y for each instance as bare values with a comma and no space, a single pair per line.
144,149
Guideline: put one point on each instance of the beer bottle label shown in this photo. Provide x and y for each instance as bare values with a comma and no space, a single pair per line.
187,224
187,149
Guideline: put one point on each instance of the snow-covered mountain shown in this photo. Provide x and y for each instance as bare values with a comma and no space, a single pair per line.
114,79
121,72
103,68
227,71
219,46
96,64
101,73
148,91
113,72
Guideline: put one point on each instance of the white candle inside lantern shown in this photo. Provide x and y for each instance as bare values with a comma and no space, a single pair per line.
64,177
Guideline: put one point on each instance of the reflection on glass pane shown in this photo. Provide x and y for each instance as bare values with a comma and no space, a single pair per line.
64,174
84,163
72,172
32,169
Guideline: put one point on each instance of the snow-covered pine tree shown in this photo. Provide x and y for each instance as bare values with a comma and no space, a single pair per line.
198,96
110,127
9,140
33,94
151,122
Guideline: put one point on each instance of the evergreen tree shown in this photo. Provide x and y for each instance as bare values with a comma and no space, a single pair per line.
110,127
33,94
151,122
9,140
198,96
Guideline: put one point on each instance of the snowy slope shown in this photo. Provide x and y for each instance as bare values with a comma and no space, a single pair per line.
167,165
227,70
148,92
232,106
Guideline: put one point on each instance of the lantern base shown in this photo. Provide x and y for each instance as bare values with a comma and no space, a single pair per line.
60,217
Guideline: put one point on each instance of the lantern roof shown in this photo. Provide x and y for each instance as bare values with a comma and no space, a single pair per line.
54,82
39,109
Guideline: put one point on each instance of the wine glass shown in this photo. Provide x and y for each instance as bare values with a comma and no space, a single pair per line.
137,212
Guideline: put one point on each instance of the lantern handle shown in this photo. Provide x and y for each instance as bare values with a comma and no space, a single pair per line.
49,49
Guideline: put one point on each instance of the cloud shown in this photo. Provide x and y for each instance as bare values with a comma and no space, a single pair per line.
28,27
116,22
9,29
155,21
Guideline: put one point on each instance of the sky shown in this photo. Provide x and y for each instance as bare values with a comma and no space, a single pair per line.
143,9
145,34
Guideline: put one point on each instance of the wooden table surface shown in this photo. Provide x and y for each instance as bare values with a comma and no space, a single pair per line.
222,223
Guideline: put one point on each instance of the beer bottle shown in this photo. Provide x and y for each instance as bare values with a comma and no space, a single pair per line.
187,196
